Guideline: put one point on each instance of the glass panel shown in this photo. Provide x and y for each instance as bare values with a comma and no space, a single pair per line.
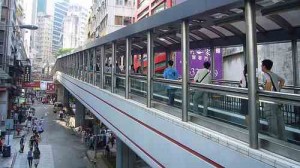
280,121
166,96
120,86
98,79
107,84
138,90
220,112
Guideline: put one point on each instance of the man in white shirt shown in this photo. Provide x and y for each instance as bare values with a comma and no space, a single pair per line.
202,76
273,112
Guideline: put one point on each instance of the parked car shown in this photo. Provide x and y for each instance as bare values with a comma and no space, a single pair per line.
57,107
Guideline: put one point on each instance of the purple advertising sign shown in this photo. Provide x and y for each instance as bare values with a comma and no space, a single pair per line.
197,58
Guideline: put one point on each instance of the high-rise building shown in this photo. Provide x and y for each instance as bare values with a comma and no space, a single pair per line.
44,39
75,26
146,8
107,16
60,11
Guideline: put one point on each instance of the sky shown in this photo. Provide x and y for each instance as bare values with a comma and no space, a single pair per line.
85,3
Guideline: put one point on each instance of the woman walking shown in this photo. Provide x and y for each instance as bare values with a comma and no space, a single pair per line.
36,157
30,157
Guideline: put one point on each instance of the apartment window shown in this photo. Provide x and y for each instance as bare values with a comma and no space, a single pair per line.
127,20
119,2
118,20
159,8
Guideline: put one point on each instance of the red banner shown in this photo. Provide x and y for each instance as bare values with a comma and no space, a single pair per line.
35,84
50,88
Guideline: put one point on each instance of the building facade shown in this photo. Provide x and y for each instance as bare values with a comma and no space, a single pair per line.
107,16
60,11
75,24
146,8
13,56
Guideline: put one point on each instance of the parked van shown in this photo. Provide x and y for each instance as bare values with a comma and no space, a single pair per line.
57,107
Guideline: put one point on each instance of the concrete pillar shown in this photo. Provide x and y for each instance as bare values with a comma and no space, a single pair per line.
125,156
79,114
65,101
60,92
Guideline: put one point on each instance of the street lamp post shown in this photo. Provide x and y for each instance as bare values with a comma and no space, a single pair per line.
29,27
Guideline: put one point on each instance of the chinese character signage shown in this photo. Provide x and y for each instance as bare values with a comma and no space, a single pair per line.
35,84
197,58
27,72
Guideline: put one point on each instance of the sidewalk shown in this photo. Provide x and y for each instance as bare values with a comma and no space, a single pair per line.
8,162
101,160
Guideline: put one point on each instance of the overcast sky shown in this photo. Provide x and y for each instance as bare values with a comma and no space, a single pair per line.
86,3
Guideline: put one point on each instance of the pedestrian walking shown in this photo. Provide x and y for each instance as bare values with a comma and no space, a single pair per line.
202,76
112,141
36,157
274,113
1,144
40,129
171,74
244,102
22,140
30,157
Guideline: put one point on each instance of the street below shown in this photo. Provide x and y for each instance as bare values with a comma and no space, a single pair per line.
59,147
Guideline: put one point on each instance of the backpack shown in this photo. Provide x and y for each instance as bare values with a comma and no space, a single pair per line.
29,154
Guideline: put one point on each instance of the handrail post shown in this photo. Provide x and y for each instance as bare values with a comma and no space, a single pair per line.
102,78
295,65
94,66
251,53
128,67
113,63
150,67
185,49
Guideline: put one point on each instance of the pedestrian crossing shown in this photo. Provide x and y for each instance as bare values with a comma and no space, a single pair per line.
46,160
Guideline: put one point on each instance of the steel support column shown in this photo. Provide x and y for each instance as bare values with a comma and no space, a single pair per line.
212,67
244,53
295,60
102,62
88,66
185,49
78,65
168,55
128,67
83,65
94,66
251,52
150,67
142,64
113,64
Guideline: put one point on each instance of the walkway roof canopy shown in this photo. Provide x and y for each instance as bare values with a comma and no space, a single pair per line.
212,23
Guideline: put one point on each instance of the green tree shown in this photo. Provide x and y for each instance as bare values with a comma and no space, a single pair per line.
63,51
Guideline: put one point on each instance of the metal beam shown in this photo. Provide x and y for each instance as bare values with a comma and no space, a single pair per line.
233,30
94,66
128,67
280,21
150,68
201,35
251,50
281,7
113,66
295,60
102,77
185,49
216,32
